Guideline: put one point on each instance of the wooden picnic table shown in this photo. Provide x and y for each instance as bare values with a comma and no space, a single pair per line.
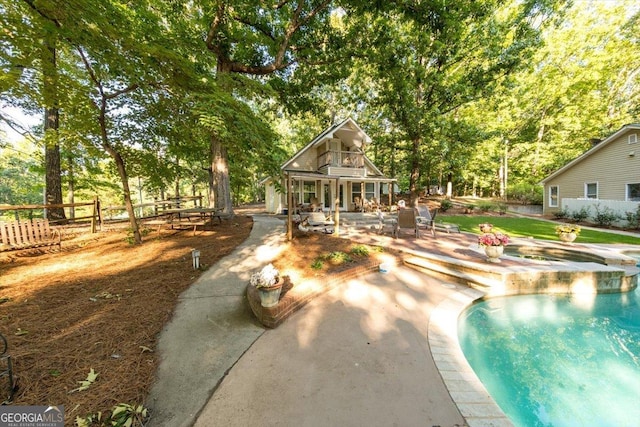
194,217
203,213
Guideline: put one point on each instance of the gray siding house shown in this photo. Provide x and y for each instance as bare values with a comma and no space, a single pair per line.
331,172
605,176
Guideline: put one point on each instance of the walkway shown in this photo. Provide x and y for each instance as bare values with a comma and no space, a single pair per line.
210,330
358,355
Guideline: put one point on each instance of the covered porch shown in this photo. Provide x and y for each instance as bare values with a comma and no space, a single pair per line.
332,194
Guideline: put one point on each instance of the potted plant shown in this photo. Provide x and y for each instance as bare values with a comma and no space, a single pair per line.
567,232
485,227
493,244
269,285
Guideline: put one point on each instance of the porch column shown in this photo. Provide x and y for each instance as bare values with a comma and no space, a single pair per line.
337,208
289,213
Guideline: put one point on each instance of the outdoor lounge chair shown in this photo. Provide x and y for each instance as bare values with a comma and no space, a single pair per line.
442,226
426,220
407,219
317,221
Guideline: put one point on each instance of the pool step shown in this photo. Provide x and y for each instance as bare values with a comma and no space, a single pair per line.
447,270
564,277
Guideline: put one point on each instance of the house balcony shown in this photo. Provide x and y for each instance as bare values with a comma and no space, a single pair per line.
342,163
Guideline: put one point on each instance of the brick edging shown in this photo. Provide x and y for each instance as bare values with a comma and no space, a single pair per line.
292,301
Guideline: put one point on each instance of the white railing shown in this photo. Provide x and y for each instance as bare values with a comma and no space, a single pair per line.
345,159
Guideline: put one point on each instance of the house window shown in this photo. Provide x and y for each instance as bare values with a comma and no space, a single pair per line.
308,191
633,192
591,190
553,196
356,191
369,190
633,138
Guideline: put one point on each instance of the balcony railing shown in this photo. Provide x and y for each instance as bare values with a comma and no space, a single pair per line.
345,159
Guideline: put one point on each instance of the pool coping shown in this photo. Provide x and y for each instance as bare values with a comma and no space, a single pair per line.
465,388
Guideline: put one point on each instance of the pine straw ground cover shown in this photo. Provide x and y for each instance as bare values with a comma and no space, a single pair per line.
100,303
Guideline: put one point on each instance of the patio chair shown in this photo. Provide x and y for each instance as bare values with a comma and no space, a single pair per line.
407,219
317,221
426,220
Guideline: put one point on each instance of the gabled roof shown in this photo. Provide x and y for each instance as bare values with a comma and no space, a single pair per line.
347,130
593,150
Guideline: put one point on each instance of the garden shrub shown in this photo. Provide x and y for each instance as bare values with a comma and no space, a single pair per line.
605,216
633,219
361,250
486,206
561,214
580,215
445,205
527,194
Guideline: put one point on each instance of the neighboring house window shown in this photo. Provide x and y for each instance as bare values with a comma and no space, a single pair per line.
633,192
633,138
591,190
369,190
308,191
553,196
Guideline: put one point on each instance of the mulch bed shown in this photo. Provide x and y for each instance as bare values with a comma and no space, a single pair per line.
99,305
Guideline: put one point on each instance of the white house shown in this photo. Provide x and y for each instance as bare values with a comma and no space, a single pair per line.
333,172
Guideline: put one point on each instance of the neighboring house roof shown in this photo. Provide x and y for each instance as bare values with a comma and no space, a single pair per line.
599,146
348,131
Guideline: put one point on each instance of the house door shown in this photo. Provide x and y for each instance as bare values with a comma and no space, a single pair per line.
329,197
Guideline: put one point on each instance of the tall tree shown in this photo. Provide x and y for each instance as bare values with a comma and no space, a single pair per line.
259,40
431,58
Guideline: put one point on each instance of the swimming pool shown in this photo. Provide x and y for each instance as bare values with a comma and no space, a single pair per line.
551,360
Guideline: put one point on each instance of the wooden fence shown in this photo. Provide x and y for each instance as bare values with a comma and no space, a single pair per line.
98,215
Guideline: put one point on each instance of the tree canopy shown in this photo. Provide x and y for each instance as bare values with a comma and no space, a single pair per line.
213,95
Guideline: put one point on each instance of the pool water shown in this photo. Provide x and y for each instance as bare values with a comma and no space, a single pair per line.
558,360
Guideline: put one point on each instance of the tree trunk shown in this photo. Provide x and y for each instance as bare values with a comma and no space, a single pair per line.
53,180
122,172
414,176
71,188
124,177
220,193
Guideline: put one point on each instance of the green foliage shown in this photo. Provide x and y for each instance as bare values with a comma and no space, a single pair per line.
561,214
581,214
21,175
605,216
486,206
336,257
526,193
445,205
122,415
317,264
633,219
125,415
360,250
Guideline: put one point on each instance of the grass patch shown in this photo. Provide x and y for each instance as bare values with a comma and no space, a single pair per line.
527,227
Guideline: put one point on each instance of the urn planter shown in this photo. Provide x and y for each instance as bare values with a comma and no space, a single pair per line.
493,253
270,295
567,237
